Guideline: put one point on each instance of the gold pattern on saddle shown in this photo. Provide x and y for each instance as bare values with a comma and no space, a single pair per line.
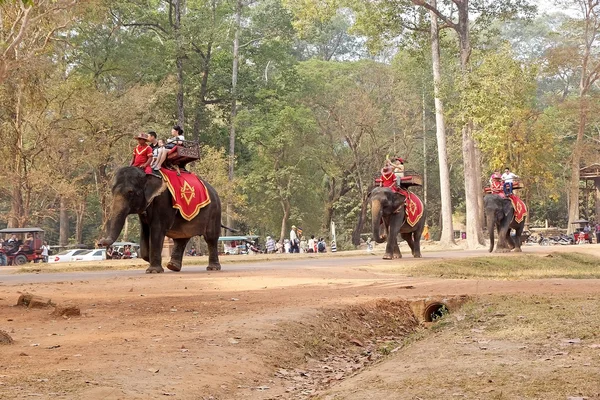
187,192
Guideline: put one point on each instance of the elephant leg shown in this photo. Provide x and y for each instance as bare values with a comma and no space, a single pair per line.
157,240
509,240
396,253
502,246
408,236
213,254
392,251
144,241
177,254
518,232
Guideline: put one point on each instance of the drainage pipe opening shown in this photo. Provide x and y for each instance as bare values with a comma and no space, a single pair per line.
435,311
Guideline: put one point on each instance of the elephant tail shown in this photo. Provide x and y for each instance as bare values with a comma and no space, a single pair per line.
228,228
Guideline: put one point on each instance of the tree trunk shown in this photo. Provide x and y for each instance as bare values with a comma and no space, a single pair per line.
575,167
234,77
179,10
79,214
472,190
360,224
447,236
285,205
200,117
63,239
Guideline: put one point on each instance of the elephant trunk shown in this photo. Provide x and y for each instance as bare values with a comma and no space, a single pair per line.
491,225
376,213
115,223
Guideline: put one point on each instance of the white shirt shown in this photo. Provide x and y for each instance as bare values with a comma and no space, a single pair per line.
293,236
508,177
44,250
174,139
311,243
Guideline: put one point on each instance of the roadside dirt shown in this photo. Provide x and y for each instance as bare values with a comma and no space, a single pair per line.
222,335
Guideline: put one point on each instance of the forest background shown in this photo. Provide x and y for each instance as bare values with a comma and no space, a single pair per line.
296,104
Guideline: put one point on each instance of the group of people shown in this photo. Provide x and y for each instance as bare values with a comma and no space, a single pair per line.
113,254
297,244
397,166
151,152
507,179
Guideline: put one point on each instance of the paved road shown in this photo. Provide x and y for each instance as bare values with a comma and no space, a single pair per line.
8,275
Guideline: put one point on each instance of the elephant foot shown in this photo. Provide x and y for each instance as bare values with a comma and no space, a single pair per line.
417,255
213,267
518,250
174,267
388,256
155,270
397,255
502,250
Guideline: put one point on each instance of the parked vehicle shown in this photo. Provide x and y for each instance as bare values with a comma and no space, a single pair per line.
66,255
91,255
23,245
119,249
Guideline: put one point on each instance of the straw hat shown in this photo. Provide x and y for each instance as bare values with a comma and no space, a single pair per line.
293,226
142,135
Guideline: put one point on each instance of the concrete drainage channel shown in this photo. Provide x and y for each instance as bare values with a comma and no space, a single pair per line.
431,309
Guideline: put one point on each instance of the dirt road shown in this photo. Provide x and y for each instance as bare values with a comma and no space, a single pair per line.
199,334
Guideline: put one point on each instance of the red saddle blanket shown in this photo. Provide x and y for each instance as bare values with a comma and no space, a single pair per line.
519,206
413,206
189,193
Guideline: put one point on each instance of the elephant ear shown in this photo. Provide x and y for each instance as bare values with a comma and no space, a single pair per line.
397,200
154,187
507,207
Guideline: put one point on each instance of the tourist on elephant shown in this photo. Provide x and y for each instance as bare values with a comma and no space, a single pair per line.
175,139
508,178
397,164
496,176
142,153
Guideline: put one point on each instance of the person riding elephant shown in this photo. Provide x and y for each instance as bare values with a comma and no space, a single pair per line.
389,211
500,214
135,192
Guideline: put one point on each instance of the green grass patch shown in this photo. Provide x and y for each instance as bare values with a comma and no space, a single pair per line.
522,266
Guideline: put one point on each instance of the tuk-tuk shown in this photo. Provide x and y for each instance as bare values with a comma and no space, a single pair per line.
22,245
579,233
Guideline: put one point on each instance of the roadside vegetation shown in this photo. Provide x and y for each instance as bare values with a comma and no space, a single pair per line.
522,266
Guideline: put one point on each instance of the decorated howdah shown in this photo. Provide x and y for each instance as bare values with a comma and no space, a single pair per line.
189,193
388,179
184,153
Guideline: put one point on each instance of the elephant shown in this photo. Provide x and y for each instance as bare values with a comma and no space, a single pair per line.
388,206
135,192
500,214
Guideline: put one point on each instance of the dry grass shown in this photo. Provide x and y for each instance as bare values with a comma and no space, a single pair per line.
522,266
499,347
351,329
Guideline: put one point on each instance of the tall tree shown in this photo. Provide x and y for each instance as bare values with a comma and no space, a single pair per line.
586,45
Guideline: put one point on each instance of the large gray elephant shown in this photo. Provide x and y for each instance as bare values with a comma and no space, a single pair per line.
135,192
500,215
389,215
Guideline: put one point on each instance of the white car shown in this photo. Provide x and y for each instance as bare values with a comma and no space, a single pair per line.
91,255
66,255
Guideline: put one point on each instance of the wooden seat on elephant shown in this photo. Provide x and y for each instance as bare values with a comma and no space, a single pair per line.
184,153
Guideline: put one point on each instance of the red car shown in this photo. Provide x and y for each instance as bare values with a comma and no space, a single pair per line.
22,245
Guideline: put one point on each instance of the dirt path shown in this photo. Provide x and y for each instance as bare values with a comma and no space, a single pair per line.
194,336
